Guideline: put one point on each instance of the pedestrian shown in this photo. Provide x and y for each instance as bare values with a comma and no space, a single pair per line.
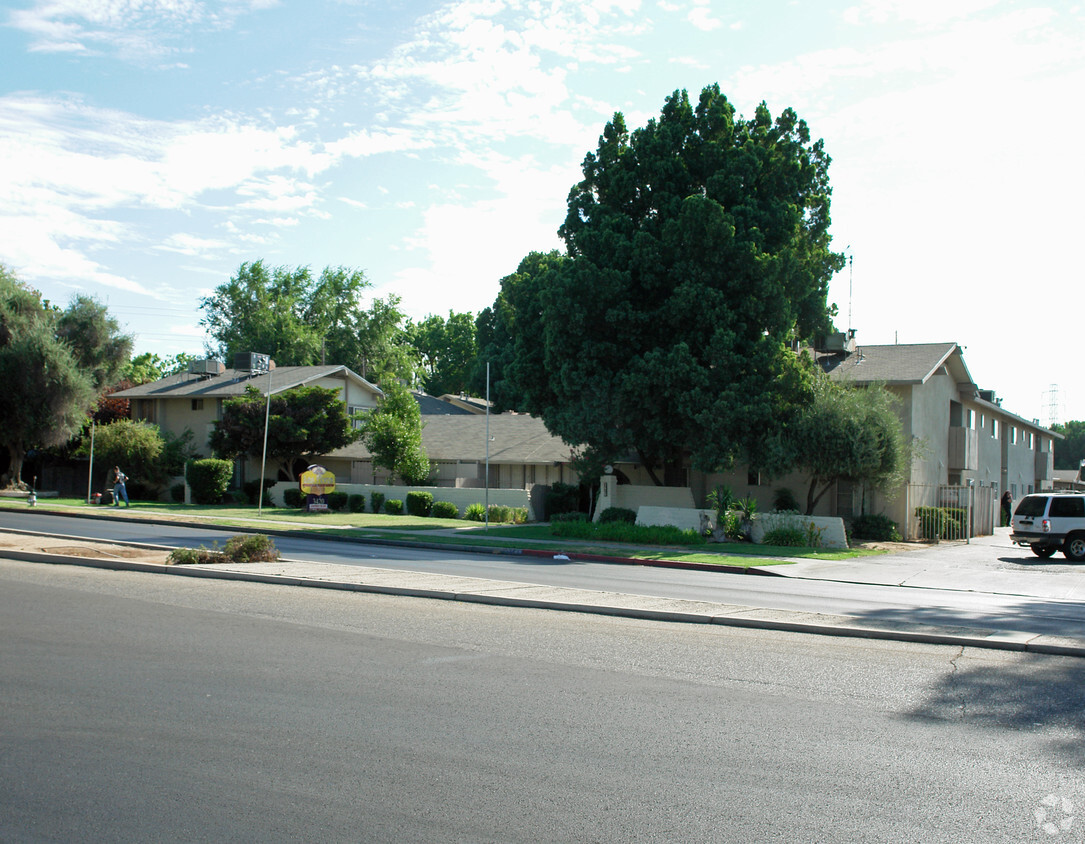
1007,508
119,491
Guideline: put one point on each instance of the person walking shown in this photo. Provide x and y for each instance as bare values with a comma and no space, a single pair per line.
119,490
1007,508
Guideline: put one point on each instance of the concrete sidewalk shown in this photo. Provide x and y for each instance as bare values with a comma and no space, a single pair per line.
991,565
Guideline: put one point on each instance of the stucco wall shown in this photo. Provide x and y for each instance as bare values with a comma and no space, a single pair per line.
460,497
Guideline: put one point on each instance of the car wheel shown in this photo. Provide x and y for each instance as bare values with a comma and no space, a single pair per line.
1074,549
1042,551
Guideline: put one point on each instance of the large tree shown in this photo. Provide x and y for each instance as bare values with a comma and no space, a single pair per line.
846,433
448,351
304,423
1070,451
698,253
300,320
393,435
53,365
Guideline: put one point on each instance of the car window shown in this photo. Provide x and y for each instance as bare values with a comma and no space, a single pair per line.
1068,508
1031,505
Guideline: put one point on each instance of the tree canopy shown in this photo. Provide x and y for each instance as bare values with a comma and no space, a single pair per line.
393,435
448,351
304,423
53,364
300,320
1069,452
698,253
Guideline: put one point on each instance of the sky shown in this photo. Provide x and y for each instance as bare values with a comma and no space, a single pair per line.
149,147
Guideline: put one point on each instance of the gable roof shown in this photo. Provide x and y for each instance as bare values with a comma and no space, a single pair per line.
898,364
514,438
232,382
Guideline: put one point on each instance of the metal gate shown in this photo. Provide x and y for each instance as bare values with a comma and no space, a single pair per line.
941,512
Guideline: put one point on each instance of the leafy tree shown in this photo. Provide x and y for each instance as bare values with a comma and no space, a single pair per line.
698,251
304,423
148,367
1069,452
393,435
509,336
847,433
299,320
146,454
448,351
53,364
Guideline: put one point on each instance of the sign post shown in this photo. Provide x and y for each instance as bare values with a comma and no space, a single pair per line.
316,483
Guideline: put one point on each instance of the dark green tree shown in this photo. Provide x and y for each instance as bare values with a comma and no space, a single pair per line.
1070,451
53,365
698,254
147,367
846,433
304,423
448,351
393,435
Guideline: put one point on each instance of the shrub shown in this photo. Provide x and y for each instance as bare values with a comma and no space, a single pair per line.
356,503
784,501
177,493
393,507
519,515
787,536
250,488
500,513
294,497
939,522
445,510
475,512
209,479
376,502
625,532
563,498
618,514
255,548
419,503
878,528
568,517
337,500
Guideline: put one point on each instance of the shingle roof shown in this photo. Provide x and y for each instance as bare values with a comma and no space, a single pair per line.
514,438
233,382
896,364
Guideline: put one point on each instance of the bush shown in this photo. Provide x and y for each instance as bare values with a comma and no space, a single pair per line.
419,503
376,502
625,532
940,522
500,513
337,500
618,514
878,528
294,497
209,479
475,512
563,498
784,501
238,549
568,517
519,515
250,488
393,507
177,493
445,510
787,536
356,503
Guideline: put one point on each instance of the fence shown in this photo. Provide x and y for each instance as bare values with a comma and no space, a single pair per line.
936,512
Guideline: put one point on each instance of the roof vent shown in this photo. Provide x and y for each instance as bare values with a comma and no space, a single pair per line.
206,368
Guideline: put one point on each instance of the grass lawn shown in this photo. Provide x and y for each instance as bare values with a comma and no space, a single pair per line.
413,528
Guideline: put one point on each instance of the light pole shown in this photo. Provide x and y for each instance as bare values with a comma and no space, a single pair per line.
265,361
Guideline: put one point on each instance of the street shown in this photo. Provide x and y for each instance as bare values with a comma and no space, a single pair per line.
141,708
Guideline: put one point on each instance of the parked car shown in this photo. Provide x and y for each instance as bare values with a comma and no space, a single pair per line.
1051,521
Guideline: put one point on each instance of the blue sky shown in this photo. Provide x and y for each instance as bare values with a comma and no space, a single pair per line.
149,147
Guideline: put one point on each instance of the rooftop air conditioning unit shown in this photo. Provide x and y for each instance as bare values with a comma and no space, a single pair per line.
252,362
206,367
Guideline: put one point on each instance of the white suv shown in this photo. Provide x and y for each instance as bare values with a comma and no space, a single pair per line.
1050,521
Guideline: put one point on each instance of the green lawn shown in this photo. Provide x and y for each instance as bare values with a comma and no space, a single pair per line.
417,529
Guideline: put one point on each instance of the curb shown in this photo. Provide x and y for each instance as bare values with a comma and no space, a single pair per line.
727,616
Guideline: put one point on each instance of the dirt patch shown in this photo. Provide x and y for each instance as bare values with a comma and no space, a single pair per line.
891,547
88,550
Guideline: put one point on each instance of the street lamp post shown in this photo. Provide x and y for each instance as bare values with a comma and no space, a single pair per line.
265,361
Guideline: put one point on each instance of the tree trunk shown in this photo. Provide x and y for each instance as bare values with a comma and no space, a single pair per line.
13,478
812,499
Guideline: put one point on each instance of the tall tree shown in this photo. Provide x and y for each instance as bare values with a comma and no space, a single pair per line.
698,252
304,423
1070,451
448,351
393,435
53,364
300,320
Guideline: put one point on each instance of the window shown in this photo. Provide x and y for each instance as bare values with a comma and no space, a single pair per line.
357,413
753,478
994,428
1013,435
1069,508
197,404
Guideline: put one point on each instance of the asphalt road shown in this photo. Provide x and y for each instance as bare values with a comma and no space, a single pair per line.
875,603
136,708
